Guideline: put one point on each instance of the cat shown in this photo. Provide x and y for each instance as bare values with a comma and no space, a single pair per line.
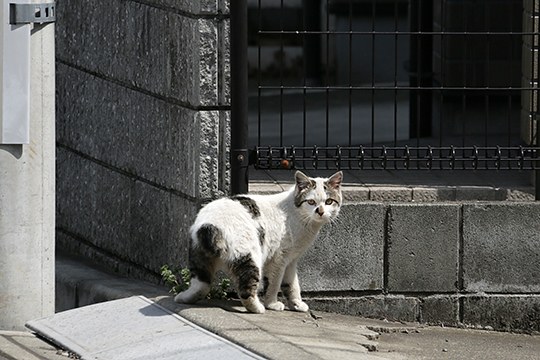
258,239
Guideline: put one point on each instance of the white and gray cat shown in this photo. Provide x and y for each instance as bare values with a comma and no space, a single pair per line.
257,240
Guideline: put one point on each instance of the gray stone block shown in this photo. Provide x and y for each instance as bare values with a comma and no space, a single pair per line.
131,131
432,194
501,247
504,312
423,247
213,153
479,193
390,193
525,194
128,220
152,48
440,309
397,307
196,8
355,193
224,60
193,7
348,255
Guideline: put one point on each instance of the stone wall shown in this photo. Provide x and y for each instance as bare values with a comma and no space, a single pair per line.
142,126
473,263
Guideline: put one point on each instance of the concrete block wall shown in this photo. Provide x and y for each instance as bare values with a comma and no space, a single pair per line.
472,263
142,126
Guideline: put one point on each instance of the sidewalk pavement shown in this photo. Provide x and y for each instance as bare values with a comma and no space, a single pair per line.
290,335
22,345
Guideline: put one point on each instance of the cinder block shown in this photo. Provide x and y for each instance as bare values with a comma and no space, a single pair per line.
131,221
423,247
504,312
390,193
399,308
131,131
348,254
150,47
479,193
501,247
432,194
440,309
355,193
212,154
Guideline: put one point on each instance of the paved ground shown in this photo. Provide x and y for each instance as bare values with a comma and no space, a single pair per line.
280,335
315,335
26,346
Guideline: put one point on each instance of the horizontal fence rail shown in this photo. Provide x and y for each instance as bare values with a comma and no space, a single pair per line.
398,158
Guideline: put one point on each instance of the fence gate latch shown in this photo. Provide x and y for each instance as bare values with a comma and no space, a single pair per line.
32,13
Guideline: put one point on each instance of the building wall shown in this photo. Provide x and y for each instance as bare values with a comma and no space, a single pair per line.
142,126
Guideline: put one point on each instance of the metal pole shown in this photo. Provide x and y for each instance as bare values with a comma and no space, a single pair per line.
27,213
239,104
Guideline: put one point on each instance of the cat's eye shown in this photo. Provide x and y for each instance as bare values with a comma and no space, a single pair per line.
311,202
329,201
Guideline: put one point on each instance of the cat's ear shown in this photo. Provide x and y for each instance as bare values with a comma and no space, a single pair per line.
335,180
302,181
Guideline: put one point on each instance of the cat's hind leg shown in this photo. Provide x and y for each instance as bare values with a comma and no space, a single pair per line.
202,273
247,275
197,291
203,256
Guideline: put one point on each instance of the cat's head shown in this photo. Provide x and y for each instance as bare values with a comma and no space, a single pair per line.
318,199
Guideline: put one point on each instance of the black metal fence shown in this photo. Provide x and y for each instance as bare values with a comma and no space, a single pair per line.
395,84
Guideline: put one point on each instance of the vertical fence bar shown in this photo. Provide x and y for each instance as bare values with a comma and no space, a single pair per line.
239,104
421,21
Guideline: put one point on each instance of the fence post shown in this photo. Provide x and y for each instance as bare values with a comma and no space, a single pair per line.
239,104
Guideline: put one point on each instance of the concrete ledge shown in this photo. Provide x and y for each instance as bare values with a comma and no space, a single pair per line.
390,307
503,312
353,193
440,310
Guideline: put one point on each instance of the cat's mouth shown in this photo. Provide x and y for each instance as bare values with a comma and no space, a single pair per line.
320,218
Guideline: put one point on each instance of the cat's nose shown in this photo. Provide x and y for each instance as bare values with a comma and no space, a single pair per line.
320,211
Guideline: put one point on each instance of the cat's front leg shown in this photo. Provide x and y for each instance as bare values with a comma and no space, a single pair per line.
290,287
274,274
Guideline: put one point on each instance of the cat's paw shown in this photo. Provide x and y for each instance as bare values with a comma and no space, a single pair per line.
253,305
276,306
186,297
298,305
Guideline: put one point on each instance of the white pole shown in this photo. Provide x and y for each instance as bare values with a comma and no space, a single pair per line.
27,205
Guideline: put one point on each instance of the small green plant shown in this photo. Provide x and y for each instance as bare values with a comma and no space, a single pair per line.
178,280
